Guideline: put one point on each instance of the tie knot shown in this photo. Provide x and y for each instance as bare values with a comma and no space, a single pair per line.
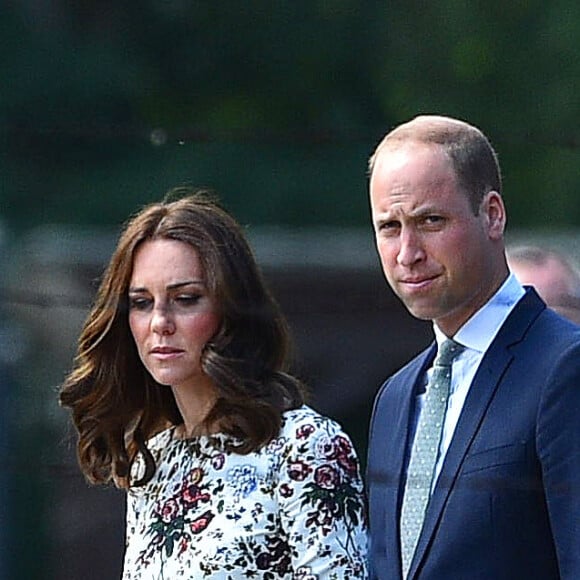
448,351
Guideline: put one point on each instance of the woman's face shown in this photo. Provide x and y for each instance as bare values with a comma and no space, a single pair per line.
171,314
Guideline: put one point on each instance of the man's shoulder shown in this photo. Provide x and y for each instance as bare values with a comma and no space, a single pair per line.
554,329
559,335
530,322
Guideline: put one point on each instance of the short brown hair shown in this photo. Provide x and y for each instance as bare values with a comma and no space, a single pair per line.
474,159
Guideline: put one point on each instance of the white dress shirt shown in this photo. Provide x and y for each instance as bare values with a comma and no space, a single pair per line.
476,335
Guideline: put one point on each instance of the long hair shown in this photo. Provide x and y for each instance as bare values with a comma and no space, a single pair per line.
116,404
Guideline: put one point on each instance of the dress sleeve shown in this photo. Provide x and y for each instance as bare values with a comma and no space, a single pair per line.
321,498
133,505
130,534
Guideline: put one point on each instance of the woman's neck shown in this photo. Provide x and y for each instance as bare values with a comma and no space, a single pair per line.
194,403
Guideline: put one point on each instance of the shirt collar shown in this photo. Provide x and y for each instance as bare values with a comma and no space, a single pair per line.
480,330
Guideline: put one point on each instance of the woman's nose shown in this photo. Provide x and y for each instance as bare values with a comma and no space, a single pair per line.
162,321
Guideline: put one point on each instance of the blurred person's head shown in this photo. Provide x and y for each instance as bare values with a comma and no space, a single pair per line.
439,218
554,277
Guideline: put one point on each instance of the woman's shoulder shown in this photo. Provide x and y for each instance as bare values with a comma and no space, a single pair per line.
161,439
156,445
303,421
309,439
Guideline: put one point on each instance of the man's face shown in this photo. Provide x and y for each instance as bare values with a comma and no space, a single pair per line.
439,258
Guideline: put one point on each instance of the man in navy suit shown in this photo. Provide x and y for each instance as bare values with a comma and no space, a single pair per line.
503,499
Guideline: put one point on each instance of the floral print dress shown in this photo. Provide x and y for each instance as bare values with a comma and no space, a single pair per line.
292,510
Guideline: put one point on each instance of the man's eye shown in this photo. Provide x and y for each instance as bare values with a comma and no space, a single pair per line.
387,227
433,219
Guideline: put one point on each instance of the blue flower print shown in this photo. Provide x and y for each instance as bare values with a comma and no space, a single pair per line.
243,479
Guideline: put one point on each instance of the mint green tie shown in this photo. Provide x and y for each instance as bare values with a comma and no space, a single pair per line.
425,451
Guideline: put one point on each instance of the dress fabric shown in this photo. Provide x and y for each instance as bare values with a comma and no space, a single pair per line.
291,510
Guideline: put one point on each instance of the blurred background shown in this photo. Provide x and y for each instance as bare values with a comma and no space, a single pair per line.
275,105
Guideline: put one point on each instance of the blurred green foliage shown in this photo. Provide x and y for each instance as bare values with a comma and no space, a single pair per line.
275,104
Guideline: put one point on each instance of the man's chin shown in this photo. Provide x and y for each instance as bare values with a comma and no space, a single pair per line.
421,311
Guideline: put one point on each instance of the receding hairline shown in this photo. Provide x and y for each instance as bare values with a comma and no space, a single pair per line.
436,130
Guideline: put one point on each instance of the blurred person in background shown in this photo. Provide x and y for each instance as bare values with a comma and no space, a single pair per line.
552,274
473,468
181,395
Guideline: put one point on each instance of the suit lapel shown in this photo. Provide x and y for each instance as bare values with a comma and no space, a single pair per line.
402,415
485,383
416,379
389,462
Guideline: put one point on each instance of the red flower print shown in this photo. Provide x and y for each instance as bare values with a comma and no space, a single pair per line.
183,545
344,454
201,523
169,511
347,463
326,477
192,494
304,431
342,445
286,490
298,470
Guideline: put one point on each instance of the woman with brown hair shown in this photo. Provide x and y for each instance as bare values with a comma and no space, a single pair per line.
181,394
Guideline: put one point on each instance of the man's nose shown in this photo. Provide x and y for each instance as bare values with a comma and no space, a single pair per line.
410,247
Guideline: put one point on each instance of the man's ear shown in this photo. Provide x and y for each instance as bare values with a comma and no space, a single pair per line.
493,211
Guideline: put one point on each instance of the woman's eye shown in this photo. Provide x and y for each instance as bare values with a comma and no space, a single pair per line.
136,303
188,299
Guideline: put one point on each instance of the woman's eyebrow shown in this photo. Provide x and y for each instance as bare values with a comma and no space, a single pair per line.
174,286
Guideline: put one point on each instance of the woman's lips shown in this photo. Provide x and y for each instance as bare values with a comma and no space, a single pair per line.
165,352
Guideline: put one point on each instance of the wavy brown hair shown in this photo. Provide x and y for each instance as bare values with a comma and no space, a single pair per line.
116,404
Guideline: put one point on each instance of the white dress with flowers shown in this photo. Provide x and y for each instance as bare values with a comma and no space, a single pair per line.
292,510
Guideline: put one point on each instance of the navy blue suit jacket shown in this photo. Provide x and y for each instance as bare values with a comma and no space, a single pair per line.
507,502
